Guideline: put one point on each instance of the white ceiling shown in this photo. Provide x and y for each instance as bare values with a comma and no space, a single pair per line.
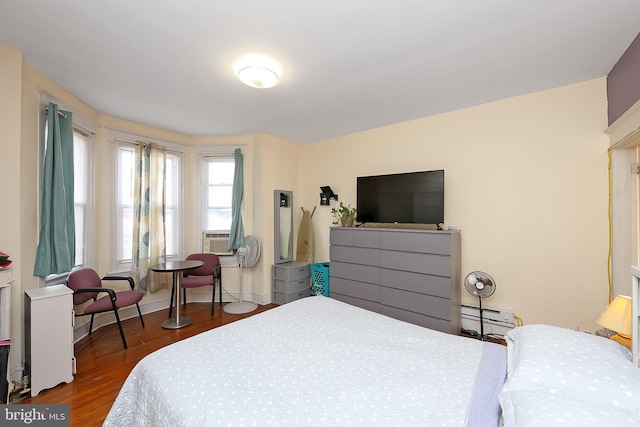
348,65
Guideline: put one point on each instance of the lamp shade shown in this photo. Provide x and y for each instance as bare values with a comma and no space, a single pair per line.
617,316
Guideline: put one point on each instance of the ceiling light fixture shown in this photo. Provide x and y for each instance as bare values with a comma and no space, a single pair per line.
257,70
258,77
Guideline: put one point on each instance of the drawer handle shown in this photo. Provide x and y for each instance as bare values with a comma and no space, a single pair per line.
301,294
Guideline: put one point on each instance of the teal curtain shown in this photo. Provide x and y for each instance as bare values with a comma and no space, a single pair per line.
236,234
56,251
149,232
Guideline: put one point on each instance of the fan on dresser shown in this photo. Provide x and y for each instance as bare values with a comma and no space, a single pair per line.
248,255
481,285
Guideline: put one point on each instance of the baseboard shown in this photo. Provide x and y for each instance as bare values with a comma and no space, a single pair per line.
103,319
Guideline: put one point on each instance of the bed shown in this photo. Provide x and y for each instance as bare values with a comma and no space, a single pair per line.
318,361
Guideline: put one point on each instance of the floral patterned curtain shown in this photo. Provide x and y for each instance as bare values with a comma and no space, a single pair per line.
149,246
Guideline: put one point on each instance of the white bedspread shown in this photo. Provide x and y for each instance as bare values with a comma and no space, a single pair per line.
315,361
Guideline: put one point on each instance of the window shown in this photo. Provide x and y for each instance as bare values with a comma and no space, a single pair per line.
81,192
83,138
124,209
218,192
126,170
172,213
217,167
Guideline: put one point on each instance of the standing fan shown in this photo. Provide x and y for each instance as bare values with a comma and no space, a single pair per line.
480,284
248,255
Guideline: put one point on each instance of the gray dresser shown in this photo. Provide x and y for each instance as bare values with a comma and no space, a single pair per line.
291,281
411,275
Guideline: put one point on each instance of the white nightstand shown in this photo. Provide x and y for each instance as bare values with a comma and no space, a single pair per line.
49,336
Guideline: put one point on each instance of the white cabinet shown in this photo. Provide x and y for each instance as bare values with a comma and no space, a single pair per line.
49,336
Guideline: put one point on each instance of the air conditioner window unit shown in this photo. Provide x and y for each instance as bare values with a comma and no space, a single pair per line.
216,242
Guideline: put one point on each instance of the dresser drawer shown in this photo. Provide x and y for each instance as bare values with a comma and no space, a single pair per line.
415,282
291,271
353,288
292,286
428,243
359,272
347,236
418,319
282,298
418,303
362,303
437,265
355,255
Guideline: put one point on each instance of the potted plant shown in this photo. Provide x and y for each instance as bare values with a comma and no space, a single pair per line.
344,215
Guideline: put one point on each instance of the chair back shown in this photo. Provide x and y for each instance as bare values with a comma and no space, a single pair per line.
210,262
80,279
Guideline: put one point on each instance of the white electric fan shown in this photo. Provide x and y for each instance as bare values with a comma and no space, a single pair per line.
482,285
248,255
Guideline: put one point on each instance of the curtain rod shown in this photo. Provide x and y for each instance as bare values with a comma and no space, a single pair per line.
60,113
84,132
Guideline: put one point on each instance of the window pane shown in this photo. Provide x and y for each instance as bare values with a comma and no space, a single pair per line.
127,171
79,168
126,237
218,219
171,180
79,213
80,193
126,177
221,171
220,196
170,238
171,205
219,193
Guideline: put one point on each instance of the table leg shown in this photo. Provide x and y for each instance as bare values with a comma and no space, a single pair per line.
177,321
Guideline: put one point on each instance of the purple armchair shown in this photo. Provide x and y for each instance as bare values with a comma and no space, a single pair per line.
87,285
205,275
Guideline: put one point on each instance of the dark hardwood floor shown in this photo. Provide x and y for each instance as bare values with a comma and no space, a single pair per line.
103,364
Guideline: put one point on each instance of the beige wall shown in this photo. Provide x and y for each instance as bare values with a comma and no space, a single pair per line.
525,181
278,167
11,174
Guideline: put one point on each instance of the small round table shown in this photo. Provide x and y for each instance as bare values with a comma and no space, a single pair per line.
176,268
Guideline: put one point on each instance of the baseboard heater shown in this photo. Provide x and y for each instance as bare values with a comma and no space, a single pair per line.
496,321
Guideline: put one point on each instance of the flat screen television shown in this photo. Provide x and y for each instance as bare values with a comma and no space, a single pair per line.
410,198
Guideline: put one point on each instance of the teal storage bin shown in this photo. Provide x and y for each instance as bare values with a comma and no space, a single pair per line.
320,278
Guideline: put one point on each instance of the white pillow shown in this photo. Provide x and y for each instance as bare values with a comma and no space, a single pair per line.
572,364
529,408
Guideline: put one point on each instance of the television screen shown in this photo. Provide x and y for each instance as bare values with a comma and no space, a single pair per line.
413,198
